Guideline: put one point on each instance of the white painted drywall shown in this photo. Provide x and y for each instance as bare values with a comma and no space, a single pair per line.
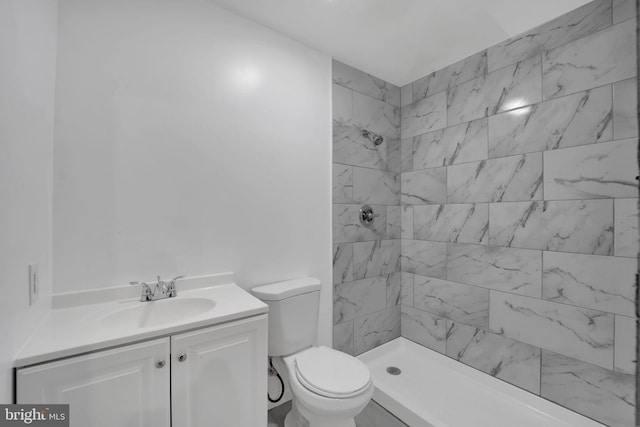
188,140
27,82
401,40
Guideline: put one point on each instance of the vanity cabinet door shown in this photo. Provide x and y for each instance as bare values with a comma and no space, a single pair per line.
219,375
123,387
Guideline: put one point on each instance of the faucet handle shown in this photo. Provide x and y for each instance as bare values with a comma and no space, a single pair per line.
147,294
173,281
171,288
139,283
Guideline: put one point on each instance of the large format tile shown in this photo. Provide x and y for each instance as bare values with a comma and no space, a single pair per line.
406,95
625,109
599,282
424,328
578,23
459,223
590,390
462,71
592,171
595,60
496,180
455,301
342,104
626,228
406,155
511,270
575,332
354,299
583,226
509,360
425,258
376,116
407,222
625,345
347,226
343,263
394,218
342,184
462,143
375,187
394,289
394,154
424,116
578,119
367,84
406,292
376,258
623,10
502,90
351,148
376,329
343,337
423,187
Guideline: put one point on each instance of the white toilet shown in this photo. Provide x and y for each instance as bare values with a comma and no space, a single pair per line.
329,387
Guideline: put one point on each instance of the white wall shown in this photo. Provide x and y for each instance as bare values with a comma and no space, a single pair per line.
27,82
188,140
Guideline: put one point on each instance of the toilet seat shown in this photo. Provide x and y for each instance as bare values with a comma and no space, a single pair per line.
331,373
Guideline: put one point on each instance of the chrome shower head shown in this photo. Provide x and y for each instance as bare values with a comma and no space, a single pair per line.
373,137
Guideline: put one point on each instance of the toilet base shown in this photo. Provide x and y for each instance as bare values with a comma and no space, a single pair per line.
295,419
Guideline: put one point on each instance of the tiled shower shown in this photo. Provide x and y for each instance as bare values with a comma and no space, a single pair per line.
507,195
366,260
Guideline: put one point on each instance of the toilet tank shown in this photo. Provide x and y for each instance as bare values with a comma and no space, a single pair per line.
293,314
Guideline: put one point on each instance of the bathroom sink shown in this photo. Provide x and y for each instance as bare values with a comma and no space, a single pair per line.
161,312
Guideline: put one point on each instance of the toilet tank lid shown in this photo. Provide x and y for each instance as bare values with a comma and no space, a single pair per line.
282,290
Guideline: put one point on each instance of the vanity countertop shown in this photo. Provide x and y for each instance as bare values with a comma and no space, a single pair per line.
73,328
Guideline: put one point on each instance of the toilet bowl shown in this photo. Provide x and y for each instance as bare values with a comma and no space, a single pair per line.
329,388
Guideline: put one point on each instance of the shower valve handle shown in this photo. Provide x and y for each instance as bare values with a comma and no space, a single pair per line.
367,216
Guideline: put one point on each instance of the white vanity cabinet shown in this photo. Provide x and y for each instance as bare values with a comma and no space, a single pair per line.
219,374
210,377
126,387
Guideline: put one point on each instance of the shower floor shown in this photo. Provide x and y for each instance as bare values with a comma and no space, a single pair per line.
433,390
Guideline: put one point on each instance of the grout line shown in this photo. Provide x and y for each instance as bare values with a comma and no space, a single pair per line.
613,110
489,312
546,50
366,167
519,295
359,204
614,343
540,367
497,158
542,184
353,184
611,2
368,95
542,275
613,229
533,104
541,54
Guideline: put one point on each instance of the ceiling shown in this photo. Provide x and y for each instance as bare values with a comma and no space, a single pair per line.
400,40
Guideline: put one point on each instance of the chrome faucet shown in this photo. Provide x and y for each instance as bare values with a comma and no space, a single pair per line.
161,290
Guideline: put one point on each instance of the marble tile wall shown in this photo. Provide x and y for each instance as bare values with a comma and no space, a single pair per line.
366,260
519,211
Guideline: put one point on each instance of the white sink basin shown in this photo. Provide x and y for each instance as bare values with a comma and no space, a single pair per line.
161,312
